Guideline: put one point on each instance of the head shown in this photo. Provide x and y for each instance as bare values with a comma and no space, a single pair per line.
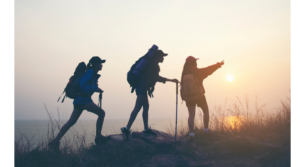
95,63
159,56
190,66
191,62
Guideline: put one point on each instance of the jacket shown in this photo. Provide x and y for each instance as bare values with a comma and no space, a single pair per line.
152,76
88,85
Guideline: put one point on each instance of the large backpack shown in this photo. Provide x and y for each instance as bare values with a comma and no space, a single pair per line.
190,89
139,67
72,88
132,79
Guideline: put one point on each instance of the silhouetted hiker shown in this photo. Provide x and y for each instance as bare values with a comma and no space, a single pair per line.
192,90
88,85
145,84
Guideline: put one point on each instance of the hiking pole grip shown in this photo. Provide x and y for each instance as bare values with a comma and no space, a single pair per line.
176,87
176,110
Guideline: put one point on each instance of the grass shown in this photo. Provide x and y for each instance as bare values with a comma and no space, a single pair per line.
238,135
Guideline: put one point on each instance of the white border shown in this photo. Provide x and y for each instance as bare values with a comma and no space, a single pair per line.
7,68
295,44
7,81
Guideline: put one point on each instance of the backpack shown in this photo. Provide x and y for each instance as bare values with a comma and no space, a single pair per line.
139,67
190,89
72,88
132,79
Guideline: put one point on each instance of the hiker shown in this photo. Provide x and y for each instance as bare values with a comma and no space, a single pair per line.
145,85
88,85
192,73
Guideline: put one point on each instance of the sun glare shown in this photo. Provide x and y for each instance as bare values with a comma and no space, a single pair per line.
233,122
230,77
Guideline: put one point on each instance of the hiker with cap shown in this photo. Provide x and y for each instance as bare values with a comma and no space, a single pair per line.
192,90
145,85
88,85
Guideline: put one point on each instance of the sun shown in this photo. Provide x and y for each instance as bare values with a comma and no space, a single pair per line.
230,77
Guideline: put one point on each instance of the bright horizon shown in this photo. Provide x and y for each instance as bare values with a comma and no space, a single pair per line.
51,38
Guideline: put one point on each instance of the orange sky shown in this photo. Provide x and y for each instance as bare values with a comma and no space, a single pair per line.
252,37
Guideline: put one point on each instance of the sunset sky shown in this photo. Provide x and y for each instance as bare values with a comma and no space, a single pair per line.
52,37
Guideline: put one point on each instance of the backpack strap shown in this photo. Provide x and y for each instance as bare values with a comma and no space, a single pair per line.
150,91
61,94
63,99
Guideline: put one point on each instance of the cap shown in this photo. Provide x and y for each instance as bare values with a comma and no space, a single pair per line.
160,53
190,59
96,59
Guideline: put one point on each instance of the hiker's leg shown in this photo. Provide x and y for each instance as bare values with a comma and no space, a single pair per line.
204,107
137,107
92,107
73,119
145,112
191,109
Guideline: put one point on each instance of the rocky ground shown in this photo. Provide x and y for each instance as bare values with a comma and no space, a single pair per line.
209,150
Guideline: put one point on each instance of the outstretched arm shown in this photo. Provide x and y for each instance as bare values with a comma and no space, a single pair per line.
204,72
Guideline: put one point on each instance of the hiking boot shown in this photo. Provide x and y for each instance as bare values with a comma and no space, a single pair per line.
125,133
101,139
149,132
54,145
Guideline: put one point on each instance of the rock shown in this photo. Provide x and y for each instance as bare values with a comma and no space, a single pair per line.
161,138
141,138
118,138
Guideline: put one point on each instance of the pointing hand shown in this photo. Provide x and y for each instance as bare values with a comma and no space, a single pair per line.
221,63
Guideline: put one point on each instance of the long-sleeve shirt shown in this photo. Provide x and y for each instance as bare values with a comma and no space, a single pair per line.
152,76
88,85
202,73
152,73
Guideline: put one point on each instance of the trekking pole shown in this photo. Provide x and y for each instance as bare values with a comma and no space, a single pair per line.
100,105
100,100
176,110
